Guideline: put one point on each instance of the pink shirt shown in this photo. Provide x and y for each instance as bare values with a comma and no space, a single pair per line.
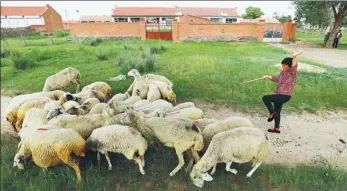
285,81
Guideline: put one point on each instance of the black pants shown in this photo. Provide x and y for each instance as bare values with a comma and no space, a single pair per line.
336,42
278,100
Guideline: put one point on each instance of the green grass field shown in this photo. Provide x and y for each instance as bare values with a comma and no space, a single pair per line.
209,72
159,163
315,38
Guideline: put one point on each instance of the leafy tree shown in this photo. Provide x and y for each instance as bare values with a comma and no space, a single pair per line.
322,14
252,13
281,18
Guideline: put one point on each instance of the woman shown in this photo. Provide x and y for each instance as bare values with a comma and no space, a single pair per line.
285,82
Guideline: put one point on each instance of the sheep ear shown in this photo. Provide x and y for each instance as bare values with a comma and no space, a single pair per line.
206,177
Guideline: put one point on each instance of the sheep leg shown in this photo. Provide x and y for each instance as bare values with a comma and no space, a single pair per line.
140,163
228,169
253,169
193,156
98,157
78,85
179,154
213,170
76,168
108,161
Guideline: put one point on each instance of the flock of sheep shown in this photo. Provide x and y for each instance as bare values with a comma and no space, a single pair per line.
57,127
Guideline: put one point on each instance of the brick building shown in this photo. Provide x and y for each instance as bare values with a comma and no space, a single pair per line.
167,14
43,19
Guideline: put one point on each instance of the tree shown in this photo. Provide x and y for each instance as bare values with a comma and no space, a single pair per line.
252,13
281,18
322,14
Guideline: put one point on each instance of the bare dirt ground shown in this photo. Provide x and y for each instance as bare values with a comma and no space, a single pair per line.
305,139
330,57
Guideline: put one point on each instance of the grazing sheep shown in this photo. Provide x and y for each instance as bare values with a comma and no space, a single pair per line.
63,79
202,123
101,87
140,103
224,125
118,139
166,91
238,145
119,97
153,92
82,109
97,109
182,106
192,113
82,124
177,133
50,146
149,77
155,105
118,78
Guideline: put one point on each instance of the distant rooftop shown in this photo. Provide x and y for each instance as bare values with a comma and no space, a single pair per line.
23,11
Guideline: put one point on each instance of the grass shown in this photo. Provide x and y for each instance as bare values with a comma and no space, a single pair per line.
159,162
315,38
208,72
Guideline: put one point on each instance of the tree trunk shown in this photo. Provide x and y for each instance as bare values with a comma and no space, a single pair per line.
337,23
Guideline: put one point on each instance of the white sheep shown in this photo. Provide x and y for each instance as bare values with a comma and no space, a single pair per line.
82,124
118,78
50,146
177,133
240,145
202,123
140,103
158,104
70,107
119,97
63,79
82,109
97,109
118,139
182,106
153,92
192,113
83,95
101,87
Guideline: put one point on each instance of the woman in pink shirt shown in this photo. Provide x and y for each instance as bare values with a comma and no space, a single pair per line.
285,82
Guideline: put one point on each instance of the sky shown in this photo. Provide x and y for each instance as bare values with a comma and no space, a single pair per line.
67,9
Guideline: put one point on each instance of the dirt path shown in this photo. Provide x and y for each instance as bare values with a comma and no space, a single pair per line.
305,139
330,57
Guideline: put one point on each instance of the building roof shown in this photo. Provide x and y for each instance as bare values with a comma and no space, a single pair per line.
207,12
143,11
22,11
96,18
173,11
267,20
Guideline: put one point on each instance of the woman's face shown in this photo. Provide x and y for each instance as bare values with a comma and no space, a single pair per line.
285,67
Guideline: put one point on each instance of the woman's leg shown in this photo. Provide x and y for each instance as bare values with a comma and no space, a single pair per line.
278,108
267,99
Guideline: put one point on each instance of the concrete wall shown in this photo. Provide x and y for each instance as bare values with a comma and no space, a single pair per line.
201,30
53,20
108,29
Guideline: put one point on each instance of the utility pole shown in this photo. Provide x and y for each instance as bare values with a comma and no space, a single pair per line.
66,15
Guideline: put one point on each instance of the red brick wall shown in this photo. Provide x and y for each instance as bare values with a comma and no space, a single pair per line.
194,19
289,29
52,20
190,30
111,29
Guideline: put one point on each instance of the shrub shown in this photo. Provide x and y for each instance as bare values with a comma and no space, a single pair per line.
140,48
149,63
5,52
146,63
6,62
61,33
162,48
127,47
154,50
103,54
22,62
95,42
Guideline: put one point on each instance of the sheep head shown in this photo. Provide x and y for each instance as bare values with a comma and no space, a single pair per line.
134,73
12,119
199,178
54,112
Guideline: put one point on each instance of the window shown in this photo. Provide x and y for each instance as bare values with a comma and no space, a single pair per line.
107,21
121,20
217,20
91,21
230,20
84,21
135,19
153,20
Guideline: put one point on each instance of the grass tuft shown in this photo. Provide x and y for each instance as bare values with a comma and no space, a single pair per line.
61,33
22,62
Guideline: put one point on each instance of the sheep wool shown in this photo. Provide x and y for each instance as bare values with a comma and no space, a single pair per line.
33,118
192,113
166,91
155,105
102,87
240,145
153,92
119,139
63,79
224,125
52,145
83,124
202,123
38,103
140,103
182,106
179,133
97,109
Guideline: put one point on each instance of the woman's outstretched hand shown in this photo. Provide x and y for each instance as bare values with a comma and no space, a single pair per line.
266,77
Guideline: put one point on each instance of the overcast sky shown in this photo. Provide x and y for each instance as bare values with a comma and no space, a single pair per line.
104,7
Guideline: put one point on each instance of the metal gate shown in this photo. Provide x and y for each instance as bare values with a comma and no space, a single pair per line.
162,31
273,32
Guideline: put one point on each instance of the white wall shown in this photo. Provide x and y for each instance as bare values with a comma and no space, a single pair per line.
18,21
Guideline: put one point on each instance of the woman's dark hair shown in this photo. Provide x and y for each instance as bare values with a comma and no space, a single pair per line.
288,61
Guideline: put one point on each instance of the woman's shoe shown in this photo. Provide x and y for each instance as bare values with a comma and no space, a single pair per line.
271,117
274,130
